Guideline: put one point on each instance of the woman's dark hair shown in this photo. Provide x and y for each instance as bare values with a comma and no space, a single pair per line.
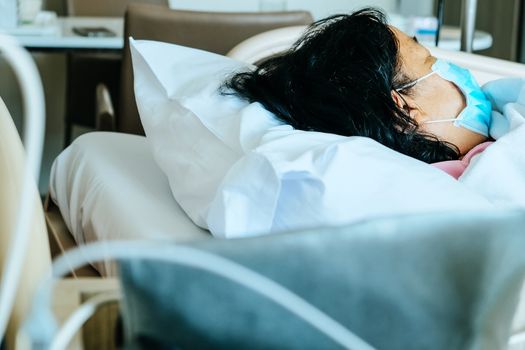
338,78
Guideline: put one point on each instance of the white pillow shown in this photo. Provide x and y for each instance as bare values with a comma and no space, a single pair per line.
237,171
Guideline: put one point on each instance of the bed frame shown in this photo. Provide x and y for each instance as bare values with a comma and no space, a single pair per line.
60,239
102,330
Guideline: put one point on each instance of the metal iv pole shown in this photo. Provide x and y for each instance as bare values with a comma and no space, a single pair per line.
440,15
468,24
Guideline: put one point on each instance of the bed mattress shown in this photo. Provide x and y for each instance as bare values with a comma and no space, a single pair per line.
108,187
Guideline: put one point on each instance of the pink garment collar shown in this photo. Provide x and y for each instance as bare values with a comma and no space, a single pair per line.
456,168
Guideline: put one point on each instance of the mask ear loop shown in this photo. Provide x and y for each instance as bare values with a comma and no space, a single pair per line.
413,83
405,106
440,121
410,85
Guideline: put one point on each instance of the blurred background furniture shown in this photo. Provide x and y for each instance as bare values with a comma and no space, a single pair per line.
64,40
104,8
86,70
215,32
503,19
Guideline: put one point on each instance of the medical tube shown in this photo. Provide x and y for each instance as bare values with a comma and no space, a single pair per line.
41,327
28,78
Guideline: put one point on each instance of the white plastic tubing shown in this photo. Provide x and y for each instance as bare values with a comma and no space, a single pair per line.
28,78
41,326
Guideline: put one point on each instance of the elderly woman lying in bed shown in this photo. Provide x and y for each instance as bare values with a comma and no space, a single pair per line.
354,75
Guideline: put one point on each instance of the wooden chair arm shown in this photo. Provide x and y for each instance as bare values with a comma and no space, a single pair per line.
105,119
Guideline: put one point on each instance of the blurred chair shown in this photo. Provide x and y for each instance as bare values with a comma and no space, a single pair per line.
86,70
216,32
104,8
38,259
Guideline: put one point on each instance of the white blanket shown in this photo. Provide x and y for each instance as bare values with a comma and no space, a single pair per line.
108,187
498,173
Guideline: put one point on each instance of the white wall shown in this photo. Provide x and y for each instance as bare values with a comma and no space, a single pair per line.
417,7
216,5
318,8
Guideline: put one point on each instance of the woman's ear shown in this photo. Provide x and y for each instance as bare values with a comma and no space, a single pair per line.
406,104
399,100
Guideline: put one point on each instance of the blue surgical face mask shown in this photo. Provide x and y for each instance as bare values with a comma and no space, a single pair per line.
477,115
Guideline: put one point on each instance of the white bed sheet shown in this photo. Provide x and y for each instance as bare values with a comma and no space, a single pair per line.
108,187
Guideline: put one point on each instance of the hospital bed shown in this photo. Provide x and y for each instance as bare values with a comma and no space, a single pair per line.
109,187
113,182
134,172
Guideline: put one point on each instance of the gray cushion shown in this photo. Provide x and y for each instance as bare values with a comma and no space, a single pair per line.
447,281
